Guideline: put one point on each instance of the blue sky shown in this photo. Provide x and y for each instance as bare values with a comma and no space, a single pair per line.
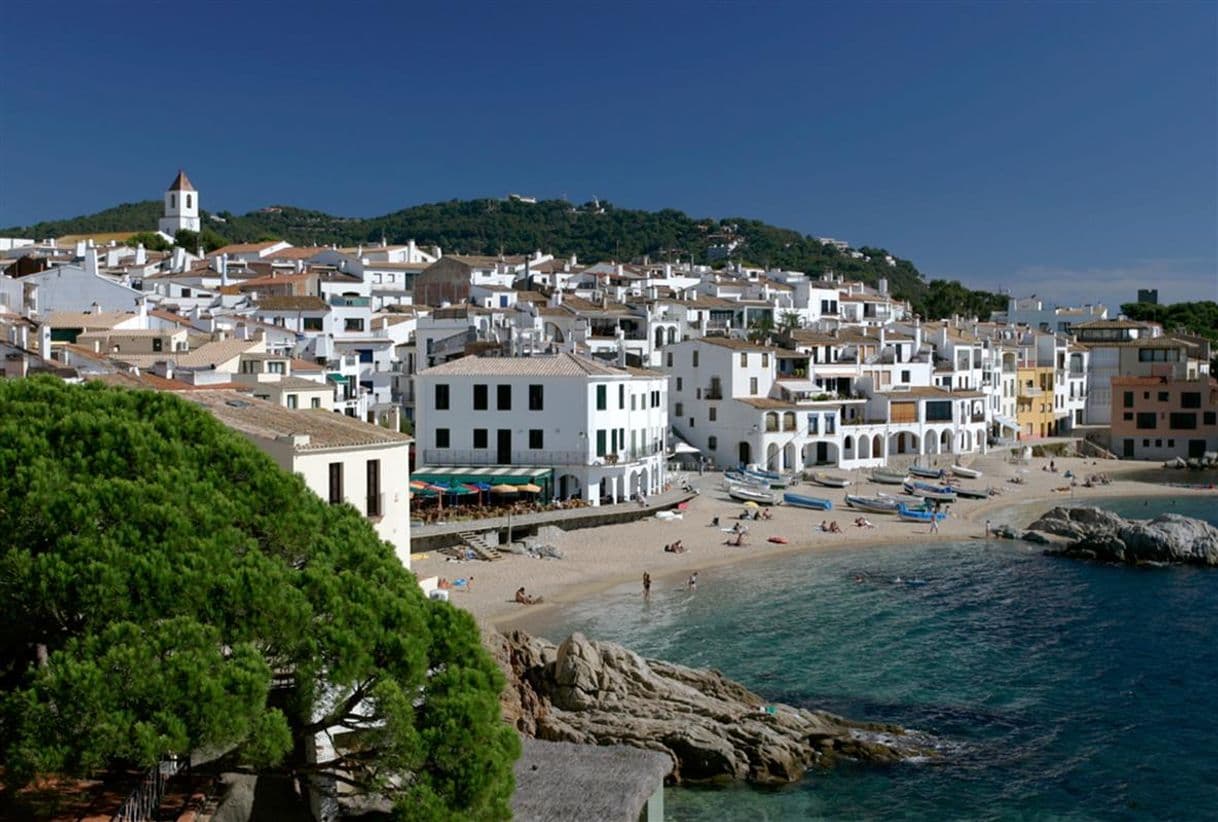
1069,150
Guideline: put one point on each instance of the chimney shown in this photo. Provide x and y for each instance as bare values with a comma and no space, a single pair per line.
882,286
667,270
222,264
91,260
412,251
141,307
94,308
44,340
141,255
574,260
81,245
620,269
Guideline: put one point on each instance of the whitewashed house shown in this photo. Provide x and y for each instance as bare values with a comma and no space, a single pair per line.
600,429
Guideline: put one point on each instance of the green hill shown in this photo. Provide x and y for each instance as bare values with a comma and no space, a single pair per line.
488,226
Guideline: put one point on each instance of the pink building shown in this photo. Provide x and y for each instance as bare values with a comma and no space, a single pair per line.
1159,418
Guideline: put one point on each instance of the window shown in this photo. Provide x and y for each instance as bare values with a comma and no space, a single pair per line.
1146,420
1158,443
1190,399
1128,415
621,397
1171,443
668,359
441,438
1182,420
276,367
1209,417
940,411
315,402
1145,395
904,376
601,394
536,439
442,397
480,438
1145,443
336,483
695,359
678,383
536,397
503,397
744,359
1162,396
765,360
712,414
712,443
632,402
189,199
679,410
691,422
480,397
157,343
353,324
752,385
312,324
600,442
293,401
373,487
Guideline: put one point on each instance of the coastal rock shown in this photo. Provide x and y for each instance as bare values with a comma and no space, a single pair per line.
1091,533
714,729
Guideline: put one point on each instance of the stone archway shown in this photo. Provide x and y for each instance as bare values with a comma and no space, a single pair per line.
864,448
848,448
789,457
672,335
771,458
659,338
744,453
931,443
945,442
877,447
569,487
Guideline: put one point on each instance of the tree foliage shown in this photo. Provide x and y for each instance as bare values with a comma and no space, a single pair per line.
947,298
206,239
149,240
156,569
1200,317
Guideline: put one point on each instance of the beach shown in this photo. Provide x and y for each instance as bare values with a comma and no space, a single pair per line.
596,559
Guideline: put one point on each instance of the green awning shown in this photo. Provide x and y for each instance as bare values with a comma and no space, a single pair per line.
336,378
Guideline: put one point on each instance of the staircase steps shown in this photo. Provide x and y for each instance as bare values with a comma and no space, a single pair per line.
480,547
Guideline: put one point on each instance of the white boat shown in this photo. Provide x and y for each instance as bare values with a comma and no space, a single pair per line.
828,480
888,477
876,505
748,493
967,473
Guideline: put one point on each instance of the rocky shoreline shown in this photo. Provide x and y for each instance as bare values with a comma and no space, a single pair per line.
714,729
1095,534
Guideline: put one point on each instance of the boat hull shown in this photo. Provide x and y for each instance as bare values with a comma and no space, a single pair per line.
813,503
932,493
872,505
914,515
972,493
884,478
967,473
928,473
751,495
829,481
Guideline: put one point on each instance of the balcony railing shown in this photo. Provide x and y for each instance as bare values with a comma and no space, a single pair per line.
977,418
712,393
490,456
350,302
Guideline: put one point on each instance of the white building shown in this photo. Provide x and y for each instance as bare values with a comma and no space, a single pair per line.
341,459
600,428
181,207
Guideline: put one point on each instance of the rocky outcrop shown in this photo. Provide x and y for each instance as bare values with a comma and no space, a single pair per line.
1091,533
714,729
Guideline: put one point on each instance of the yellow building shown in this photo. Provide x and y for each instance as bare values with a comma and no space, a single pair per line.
1034,401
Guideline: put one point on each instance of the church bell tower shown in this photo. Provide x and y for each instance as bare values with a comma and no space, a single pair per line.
181,206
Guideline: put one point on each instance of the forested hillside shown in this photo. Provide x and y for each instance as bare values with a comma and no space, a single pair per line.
593,232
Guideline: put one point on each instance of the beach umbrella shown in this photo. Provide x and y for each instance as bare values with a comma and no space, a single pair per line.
529,488
751,504
503,489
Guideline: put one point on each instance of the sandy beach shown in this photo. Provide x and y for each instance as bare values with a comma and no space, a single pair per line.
595,559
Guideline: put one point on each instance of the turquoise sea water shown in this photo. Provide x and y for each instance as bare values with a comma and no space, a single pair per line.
1058,689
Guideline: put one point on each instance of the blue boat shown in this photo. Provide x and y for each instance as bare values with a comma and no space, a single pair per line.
930,491
918,514
800,501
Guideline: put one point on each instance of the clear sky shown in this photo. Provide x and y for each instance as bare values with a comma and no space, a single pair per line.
1067,150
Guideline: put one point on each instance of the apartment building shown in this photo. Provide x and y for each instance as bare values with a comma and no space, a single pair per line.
599,430
1160,418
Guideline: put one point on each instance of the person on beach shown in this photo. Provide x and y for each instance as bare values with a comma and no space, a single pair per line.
526,599
834,528
646,585
692,583
934,519
987,529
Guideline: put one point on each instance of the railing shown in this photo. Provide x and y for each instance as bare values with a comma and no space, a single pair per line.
143,802
350,302
490,456
978,418
713,393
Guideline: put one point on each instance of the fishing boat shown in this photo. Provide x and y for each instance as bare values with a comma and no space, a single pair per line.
971,493
887,477
918,515
740,478
928,473
936,493
828,480
751,493
771,479
967,473
801,501
875,505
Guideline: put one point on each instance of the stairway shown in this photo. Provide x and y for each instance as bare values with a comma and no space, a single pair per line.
480,547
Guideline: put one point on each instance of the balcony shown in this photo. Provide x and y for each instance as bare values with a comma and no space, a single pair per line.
977,418
490,456
713,393
350,302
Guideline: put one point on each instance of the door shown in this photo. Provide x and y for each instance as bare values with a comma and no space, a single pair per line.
504,446
745,456
822,453
1127,449
1196,449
